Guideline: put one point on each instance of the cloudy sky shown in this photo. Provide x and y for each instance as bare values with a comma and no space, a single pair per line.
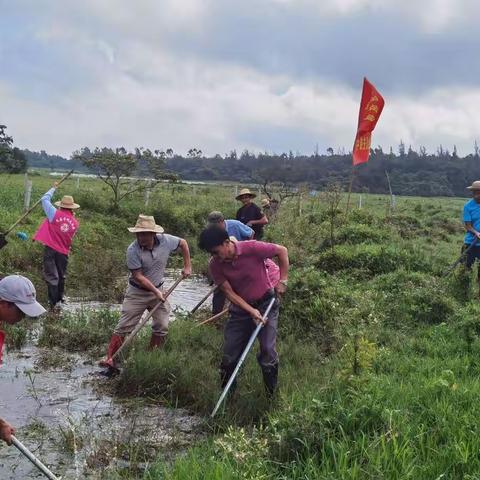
266,75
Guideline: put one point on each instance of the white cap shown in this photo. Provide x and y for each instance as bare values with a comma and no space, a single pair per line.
20,291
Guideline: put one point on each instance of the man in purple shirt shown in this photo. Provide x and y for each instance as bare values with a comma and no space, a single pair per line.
238,268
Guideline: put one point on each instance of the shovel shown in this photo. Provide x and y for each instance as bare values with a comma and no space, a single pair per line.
3,240
140,324
20,446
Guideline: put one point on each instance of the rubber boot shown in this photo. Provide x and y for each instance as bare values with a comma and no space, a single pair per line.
270,379
225,374
157,341
61,290
52,291
111,364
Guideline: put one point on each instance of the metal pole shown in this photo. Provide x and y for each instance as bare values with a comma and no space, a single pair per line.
242,358
18,444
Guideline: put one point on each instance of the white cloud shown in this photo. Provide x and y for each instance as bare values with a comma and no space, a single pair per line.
141,92
430,15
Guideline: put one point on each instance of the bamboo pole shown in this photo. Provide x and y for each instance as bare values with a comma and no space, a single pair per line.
215,317
140,324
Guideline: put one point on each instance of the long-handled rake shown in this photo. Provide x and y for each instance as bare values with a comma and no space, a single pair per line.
200,303
242,358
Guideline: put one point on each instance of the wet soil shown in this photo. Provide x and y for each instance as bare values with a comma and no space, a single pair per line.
79,430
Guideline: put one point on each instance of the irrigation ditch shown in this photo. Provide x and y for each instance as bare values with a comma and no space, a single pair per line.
64,412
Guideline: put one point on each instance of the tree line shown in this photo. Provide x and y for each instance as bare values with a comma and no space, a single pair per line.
411,172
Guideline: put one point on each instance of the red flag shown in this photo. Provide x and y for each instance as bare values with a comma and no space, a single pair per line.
371,107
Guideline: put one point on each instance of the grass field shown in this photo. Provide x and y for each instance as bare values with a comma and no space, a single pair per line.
379,352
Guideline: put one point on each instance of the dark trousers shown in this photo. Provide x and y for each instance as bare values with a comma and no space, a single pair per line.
237,332
218,301
54,272
472,255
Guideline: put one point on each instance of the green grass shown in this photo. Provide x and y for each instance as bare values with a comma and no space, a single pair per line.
80,331
379,352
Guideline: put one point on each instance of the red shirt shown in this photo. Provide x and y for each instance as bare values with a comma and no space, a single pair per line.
247,273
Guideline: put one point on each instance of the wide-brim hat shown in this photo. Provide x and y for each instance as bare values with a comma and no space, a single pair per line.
265,202
146,223
245,191
67,202
474,186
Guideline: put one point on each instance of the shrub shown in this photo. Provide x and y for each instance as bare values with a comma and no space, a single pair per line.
409,298
371,259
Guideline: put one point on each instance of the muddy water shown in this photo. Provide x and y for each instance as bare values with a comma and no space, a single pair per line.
78,432
188,293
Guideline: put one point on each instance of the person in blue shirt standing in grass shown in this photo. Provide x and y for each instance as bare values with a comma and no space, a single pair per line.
471,218
240,232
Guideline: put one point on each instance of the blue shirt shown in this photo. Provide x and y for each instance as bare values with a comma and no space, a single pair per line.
239,230
471,213
47,206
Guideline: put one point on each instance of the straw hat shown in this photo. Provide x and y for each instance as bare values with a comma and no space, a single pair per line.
245,191
265,202
67,202
145,223
475,185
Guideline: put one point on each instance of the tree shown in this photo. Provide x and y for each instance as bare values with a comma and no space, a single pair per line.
119,169
194,153
12,160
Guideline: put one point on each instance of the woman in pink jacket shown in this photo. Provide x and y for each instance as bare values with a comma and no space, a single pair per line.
56,233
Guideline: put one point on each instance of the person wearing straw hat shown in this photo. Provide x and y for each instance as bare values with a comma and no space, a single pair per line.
147,258
17,300
56,233
250,214
471,219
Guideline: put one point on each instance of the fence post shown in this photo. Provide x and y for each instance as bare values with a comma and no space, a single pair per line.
147,193
360,201
27,193
78,183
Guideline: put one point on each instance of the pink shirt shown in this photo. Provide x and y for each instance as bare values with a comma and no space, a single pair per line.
2,339
247,273
58,234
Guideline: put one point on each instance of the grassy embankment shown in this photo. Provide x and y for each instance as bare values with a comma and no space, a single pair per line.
379,354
